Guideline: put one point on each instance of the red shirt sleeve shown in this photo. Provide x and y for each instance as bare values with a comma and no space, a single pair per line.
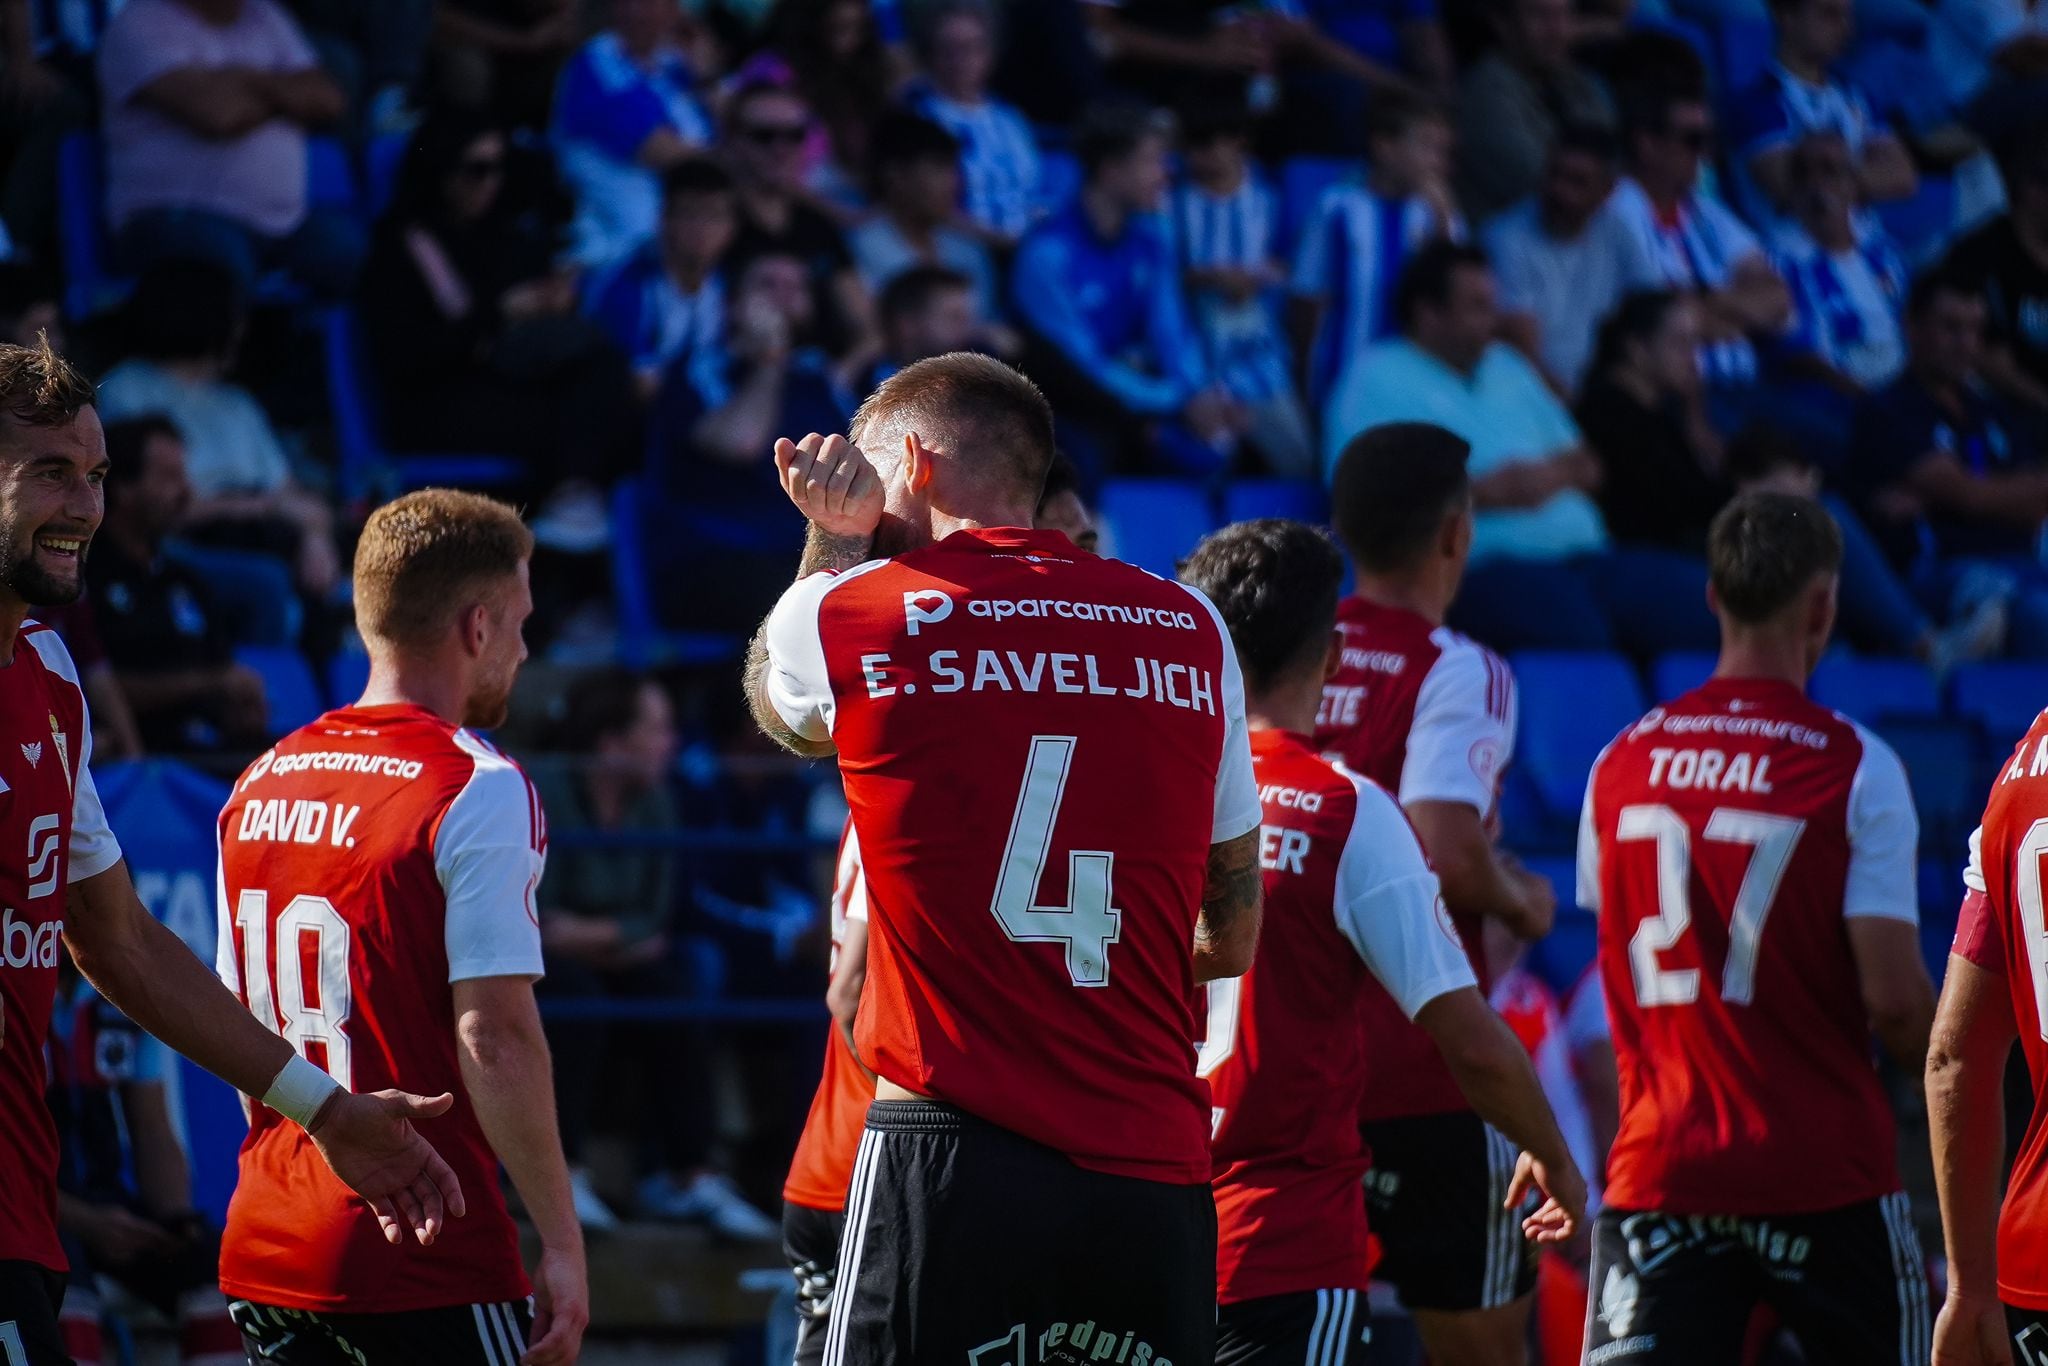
1977,937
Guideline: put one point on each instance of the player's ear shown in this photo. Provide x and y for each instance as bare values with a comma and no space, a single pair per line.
917,463
476,626
1333,659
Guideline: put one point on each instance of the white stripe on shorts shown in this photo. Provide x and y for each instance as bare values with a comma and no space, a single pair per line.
859,1197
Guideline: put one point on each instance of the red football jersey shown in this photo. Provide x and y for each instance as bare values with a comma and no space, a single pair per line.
2003,923
52,833
1039,747
1429,715
367,862
823,1165
1727,837
1350,903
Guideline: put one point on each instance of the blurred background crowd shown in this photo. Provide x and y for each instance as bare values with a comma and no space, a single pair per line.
595,255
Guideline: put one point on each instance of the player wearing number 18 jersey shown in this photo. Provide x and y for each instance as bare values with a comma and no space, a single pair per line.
377,879
1046,761
1750,856
1351,904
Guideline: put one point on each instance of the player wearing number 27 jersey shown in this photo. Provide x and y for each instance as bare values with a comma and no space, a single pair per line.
1039,748
1750,856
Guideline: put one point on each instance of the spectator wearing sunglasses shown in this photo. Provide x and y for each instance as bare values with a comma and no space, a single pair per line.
1697,244
627,111
765,130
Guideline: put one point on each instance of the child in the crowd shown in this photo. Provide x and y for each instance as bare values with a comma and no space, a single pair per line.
1224,221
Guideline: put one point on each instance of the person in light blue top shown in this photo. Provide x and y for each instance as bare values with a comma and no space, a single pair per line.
999,154
1098,287
626,110
1544,573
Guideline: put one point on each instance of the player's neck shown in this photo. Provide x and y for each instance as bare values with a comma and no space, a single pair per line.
403,682
1408,593
1779,659
1290,705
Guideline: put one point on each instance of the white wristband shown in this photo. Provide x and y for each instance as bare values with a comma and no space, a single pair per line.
299,1090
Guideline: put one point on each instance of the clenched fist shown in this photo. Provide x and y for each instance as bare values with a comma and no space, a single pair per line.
832,483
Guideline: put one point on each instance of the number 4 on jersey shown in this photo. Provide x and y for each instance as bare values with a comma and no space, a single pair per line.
1087,924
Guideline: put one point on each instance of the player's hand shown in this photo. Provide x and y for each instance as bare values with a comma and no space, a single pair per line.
116,1237
1564,1202
1971,1331
832,483
561,1308
371,1144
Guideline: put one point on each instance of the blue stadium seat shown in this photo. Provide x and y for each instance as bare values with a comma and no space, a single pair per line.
1680,672
1301,499
1943,765
365,463
1572,705
1562,956
1869,690
2004,698
331,176
1153,523
1941,895
383,155
348,673
288,682
89,282
1303,180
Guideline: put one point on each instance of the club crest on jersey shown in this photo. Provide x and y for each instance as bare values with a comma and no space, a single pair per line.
925,607
33,753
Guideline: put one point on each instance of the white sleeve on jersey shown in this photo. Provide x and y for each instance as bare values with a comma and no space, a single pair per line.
1884,835
1973,871
1389,906
224,922
487,856
1238,811
93,846
1464,728
799,687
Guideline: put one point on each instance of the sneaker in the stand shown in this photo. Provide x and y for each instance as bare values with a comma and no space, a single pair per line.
591,1210
708,1198
574,521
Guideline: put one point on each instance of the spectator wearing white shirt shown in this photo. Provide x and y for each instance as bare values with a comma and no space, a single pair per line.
1564,258
206,107
916,179
1799,95
1543,574
999,162
626,110
1699,247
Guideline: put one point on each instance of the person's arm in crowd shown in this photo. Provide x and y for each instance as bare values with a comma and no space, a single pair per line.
506,1072
664,147
1477,877
308,96
553,30
1495,1076
228,690
2002,369
1308,41
1972,1037
1043,292
115,734
163,1176
1885,171
1234,48
1233,904
214,102
1754,300
112,1235
1532,483
736,430
149,975
2017,498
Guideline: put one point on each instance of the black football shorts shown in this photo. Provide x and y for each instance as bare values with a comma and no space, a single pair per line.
969,1245
1307,1328
1434,1198
461,1335
30,1296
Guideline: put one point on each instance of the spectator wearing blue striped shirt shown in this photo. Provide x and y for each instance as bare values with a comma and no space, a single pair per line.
665,304
1224,217
999,166
626,110
1847,279
1098,288
1361,236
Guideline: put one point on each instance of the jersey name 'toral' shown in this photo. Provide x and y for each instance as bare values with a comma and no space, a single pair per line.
822,1167
2003,925
369,861
1351,904
1429,715
52,833
1039,747
1726,839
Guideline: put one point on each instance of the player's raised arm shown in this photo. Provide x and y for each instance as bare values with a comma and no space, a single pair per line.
1973,1035
152,978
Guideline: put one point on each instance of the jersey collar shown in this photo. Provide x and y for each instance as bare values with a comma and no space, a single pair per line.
1006,540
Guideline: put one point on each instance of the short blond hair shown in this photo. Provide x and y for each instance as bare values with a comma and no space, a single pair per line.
39,388
422,556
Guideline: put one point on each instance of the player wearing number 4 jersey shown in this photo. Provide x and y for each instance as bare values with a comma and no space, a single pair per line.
378,869
62,877
1350,901
1046,760
1750,856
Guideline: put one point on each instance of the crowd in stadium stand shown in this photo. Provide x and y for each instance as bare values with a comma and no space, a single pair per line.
596,255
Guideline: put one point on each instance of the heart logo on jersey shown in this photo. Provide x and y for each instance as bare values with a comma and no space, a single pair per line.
925,607
33,753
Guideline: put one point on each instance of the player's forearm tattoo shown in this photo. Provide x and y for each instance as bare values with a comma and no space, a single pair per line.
1231,890
826,552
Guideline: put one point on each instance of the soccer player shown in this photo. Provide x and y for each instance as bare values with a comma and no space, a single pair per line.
1996,990
61,875
1750,856
377,877
1046,760
1430,716
1349,899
